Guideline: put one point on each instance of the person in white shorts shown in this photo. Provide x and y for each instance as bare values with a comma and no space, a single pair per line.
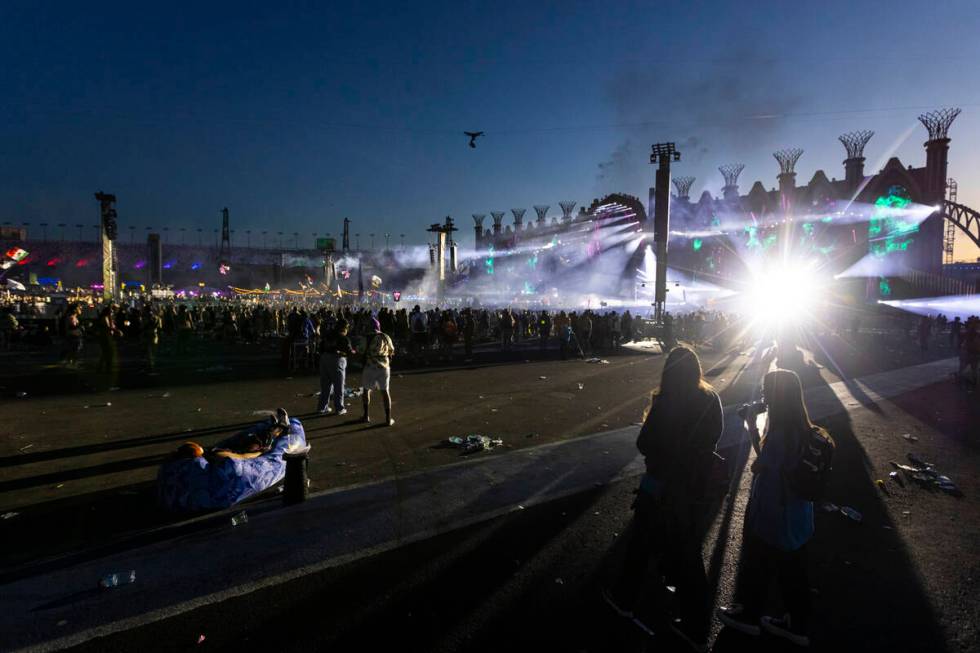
377,371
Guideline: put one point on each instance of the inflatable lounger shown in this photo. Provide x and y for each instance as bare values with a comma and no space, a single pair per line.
212,483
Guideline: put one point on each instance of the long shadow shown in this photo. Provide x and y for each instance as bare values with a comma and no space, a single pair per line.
866,580
115,445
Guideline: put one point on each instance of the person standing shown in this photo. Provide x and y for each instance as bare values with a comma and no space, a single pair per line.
778,522
151,325
377,372
469,330
544,330
335,347
107,333
73,335
678,438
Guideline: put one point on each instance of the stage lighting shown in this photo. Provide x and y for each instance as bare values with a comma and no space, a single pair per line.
786,293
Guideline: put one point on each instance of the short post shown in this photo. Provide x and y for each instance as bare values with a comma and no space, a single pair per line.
297,484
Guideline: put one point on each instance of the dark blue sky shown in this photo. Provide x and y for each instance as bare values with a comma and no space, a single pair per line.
295,115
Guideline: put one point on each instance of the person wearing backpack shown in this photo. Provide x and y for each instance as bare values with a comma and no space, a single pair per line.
377,371
678,438
793,462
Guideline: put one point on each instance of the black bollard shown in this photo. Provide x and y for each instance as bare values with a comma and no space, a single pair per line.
296,485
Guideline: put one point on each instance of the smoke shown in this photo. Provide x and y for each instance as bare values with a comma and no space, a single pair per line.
722,115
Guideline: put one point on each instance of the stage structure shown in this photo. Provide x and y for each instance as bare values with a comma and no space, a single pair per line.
662,154
109,231
443,232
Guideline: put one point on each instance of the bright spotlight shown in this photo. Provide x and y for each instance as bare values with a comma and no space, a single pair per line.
785,293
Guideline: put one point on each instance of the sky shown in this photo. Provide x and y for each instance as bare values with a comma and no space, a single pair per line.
295,115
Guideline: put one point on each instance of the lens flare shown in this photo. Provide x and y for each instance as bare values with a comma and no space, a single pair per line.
781,294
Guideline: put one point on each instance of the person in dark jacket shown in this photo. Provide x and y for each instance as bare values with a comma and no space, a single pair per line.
335,348
778,523
677,440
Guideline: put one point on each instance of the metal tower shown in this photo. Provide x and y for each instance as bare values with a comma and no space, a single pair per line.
224,252
949,240
662,154
345,246
567,206
683,186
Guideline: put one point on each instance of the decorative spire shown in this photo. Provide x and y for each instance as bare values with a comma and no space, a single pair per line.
567,206
938,122
787,160
731,172
518,217
542,211
478,219
683,186
854,142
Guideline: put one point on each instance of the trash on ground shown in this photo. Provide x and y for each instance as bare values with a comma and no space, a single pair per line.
117,579
239,518
307,394
21,395
352,392
827,506
895,476
9,515
601,361
910,437
200,639
925,474
847,511
105,405
114,388
881,485
25,447
263,412
559,581
543,378
473,443
581,386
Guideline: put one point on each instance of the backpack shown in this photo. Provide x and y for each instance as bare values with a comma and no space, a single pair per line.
809,474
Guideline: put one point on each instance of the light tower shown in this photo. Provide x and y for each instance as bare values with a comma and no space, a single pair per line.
854,143
662,154
937,153
478,219
345,243
542,211
567,206
731,172
787,174
683,186
107,211
224,252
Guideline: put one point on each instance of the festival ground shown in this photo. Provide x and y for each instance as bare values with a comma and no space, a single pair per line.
481,551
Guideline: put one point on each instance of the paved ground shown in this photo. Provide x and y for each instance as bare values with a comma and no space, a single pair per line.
908,578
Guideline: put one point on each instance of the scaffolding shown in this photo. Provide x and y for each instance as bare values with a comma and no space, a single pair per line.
949,239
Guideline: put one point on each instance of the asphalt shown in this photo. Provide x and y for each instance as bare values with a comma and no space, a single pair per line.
509,548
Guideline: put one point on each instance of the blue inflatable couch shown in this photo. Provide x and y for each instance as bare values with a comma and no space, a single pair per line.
193,481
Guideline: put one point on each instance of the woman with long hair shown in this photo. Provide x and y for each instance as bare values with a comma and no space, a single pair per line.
678,438
778,522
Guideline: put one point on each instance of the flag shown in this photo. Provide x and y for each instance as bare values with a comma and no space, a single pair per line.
16,253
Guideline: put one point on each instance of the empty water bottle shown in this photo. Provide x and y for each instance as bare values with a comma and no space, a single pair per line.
117,579
239,518
851,513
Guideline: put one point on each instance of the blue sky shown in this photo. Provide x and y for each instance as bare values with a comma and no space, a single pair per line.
296,115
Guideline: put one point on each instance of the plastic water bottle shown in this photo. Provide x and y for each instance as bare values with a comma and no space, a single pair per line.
239,518
117,579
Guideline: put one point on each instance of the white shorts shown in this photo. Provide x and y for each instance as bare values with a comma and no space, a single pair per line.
376,378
